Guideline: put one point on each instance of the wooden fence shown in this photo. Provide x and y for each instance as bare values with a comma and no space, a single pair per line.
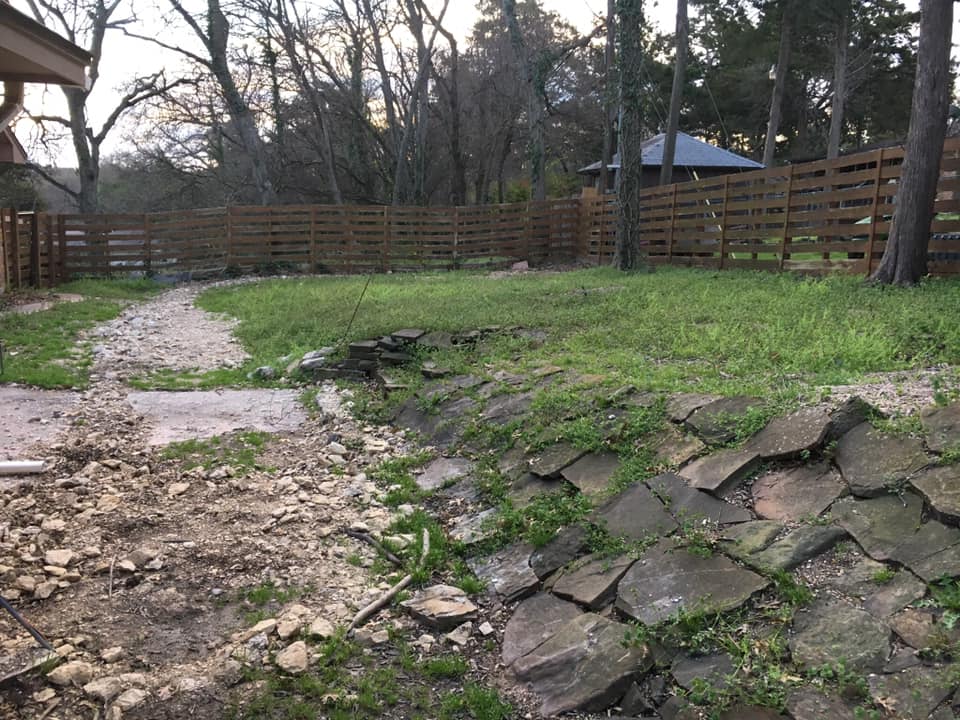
811,217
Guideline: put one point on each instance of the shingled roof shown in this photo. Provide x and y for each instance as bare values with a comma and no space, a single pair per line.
690,153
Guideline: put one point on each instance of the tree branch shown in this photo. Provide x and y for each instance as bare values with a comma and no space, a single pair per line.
47,177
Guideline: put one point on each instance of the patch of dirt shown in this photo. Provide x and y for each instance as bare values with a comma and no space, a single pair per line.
903,392
29,417
178,416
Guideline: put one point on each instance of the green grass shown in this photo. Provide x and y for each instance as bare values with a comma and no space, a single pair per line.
675,329
42,349
240,451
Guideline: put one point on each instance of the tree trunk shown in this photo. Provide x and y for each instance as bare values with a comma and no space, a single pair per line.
610,98
676,95
780,81
88,160
839,85
629,29
904,260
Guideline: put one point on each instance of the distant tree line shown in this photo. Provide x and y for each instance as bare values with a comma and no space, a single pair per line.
376,101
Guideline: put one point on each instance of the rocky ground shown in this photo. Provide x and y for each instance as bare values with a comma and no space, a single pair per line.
688,565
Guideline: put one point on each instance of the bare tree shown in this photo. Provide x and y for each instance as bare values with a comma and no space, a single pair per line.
609,97
216,40
676,94
88,23
840,68
781,72
904,259
630,33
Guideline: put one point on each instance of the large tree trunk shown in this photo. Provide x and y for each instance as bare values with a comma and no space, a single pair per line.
610,97
630,179
839,85
780,81
904,260
88,160
676,95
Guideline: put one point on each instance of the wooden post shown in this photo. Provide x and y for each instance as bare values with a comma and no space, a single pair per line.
871,238
527,231
313,238
602,238
231,259
723,227
456,237
386,237
147,245
17,276
673,224
62,242
4,273
51,260
34,251
785,241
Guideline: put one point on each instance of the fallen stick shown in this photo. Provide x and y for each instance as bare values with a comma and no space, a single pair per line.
21,467
378,604
376,544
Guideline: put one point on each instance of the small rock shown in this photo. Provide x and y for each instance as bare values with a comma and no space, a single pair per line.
112,654
129,699
322,628
264,372
442,606
178,489
45,590
461,634
60,558
294,659
72,673
486,629
44,695
104,689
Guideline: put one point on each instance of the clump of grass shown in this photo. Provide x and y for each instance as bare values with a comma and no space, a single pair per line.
883,575
476,702
240,451
539,521
445,666
395,477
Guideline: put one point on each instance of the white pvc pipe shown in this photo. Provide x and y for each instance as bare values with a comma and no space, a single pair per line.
21,467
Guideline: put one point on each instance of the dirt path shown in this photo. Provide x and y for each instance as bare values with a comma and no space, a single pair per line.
136,568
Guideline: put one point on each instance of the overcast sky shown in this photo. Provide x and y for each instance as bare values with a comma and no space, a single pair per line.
125,58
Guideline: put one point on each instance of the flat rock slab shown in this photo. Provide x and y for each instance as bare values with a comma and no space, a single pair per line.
594,582
752,712
535,620
443,607
830,632
888,528
791,435
797,493
942,426
443,471
444,388
591,474
506,408
913,693
674,448
940,485
31,416
872,462
721,471
636,513
682,405
880,599
811,704
742,541
569,544
584,666
666,580
548,463
526,487
797,547
712,669
689,504
178,416
716,423
508,572
472,529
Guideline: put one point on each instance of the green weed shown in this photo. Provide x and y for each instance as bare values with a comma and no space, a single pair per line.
240,451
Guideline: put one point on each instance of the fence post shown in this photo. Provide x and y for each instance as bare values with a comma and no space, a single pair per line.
386,237
873,211
785,241
34,258
4,272
147,245
17,279
723,227
62,242
51,261
231,260
456,236
673,224
313,238
527,231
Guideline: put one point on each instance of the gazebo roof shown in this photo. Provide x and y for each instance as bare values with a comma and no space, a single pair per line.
32,53
690,152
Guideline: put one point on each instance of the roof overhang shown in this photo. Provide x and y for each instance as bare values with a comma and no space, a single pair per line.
11,151
32,53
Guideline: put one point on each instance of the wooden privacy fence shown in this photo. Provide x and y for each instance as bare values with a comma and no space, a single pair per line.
810,217
311,238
